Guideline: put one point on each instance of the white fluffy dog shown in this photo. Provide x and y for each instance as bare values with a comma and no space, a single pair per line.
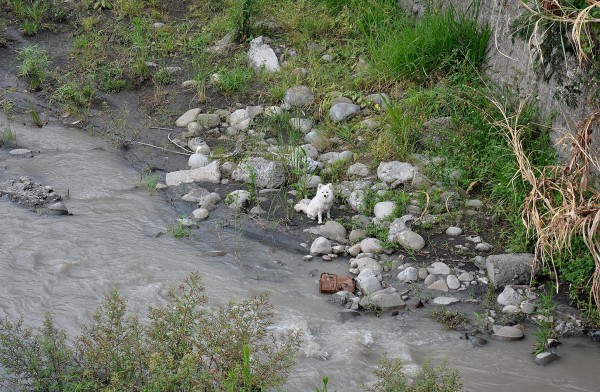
319,204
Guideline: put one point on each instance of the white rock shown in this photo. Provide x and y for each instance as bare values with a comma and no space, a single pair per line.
209,173
298,96
371,245
239,120
510,309
452,282
509,297
187,117
483,247
384,209
262,57
465,277
409,274
198,160
445,300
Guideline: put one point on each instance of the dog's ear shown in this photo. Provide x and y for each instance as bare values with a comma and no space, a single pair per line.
329,185
319,186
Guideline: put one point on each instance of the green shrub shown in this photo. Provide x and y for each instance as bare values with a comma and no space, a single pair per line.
428,379
34,63
183,347
234,80
74,95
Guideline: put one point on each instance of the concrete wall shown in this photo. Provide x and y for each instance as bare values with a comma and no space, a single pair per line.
509,63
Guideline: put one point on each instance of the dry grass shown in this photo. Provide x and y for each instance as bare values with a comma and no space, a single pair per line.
562,204
554,12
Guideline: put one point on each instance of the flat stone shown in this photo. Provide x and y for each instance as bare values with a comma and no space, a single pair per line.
545,358
196,195
238,200
343,111
439,285
21,152
187,117
198,145
445,300
209,173
438,268
423,273
452,282
383,299
508,333
527,307
474,203
510,309
483,247
399,225
453,231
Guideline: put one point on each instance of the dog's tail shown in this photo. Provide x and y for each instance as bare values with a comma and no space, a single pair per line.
301,205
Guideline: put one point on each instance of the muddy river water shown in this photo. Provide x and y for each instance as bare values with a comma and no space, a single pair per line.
66,265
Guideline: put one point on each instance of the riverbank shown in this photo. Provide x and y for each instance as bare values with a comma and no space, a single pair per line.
417,218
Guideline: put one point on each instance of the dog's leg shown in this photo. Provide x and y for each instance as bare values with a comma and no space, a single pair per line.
320,213
329,213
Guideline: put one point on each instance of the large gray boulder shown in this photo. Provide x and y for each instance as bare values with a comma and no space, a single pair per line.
266,174
262,57
209,173
396,173
333,230
411,240
511,268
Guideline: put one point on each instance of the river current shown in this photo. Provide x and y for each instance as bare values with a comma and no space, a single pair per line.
66,265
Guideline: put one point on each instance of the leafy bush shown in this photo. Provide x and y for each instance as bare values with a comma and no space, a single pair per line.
185,346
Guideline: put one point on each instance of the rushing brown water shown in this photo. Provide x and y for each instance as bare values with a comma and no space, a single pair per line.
66,265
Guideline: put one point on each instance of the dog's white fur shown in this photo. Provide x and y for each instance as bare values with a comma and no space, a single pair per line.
319,204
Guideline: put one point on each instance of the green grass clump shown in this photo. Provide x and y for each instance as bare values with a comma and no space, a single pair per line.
439,44
183,346
74,95
34,65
